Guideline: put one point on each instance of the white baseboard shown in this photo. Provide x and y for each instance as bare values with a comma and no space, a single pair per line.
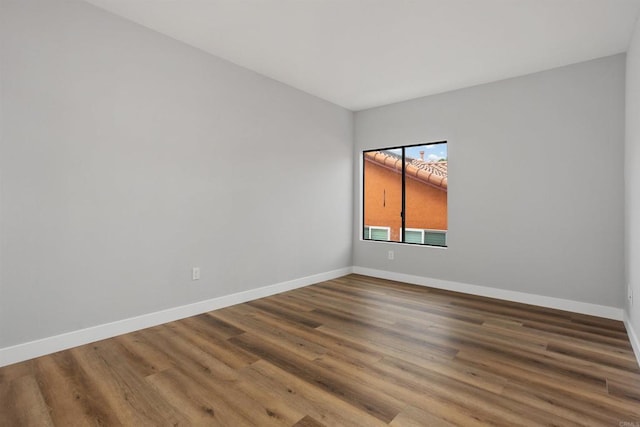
485,291
29,350
633,337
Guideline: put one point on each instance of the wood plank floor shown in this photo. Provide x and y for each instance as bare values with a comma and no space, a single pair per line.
354,351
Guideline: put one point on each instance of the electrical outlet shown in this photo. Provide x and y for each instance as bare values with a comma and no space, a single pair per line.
195,273
390,254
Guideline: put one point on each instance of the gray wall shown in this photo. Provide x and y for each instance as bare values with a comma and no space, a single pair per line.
535,182
632,179
127,158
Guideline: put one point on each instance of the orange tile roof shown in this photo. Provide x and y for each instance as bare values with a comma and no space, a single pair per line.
432,173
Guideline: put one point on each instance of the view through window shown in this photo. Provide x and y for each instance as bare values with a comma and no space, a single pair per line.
405,194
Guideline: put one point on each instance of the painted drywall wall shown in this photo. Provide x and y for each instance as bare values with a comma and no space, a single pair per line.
128,158
535,192
632,187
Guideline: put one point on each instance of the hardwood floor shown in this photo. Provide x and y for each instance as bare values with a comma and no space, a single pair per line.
354,351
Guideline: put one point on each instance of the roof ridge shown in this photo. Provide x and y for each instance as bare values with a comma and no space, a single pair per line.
432,173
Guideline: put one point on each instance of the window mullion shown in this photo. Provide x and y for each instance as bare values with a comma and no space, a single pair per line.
403,212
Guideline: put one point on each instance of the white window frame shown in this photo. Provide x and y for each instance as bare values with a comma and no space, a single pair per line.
387,229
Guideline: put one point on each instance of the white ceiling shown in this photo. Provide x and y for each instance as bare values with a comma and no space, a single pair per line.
365,53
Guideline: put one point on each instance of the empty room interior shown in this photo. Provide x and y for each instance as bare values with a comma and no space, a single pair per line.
237,212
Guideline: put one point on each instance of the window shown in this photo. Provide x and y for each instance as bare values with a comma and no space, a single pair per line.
411,235
427,237
376,233
405,194
435,238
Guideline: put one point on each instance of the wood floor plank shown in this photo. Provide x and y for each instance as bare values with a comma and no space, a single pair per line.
624,361
217,328
358,394
352,351
416,417
126,393
311,399
25,403
504,411
217,378
70,392
287,314
222,350
528,368
15,371
144,354
562,404
189,357
199,405
626,389
308,421
291,342
392,337
69,402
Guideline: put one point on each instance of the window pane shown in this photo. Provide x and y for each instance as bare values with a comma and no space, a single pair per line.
426,190
435,238
413,236
366,233
383,192
379,234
